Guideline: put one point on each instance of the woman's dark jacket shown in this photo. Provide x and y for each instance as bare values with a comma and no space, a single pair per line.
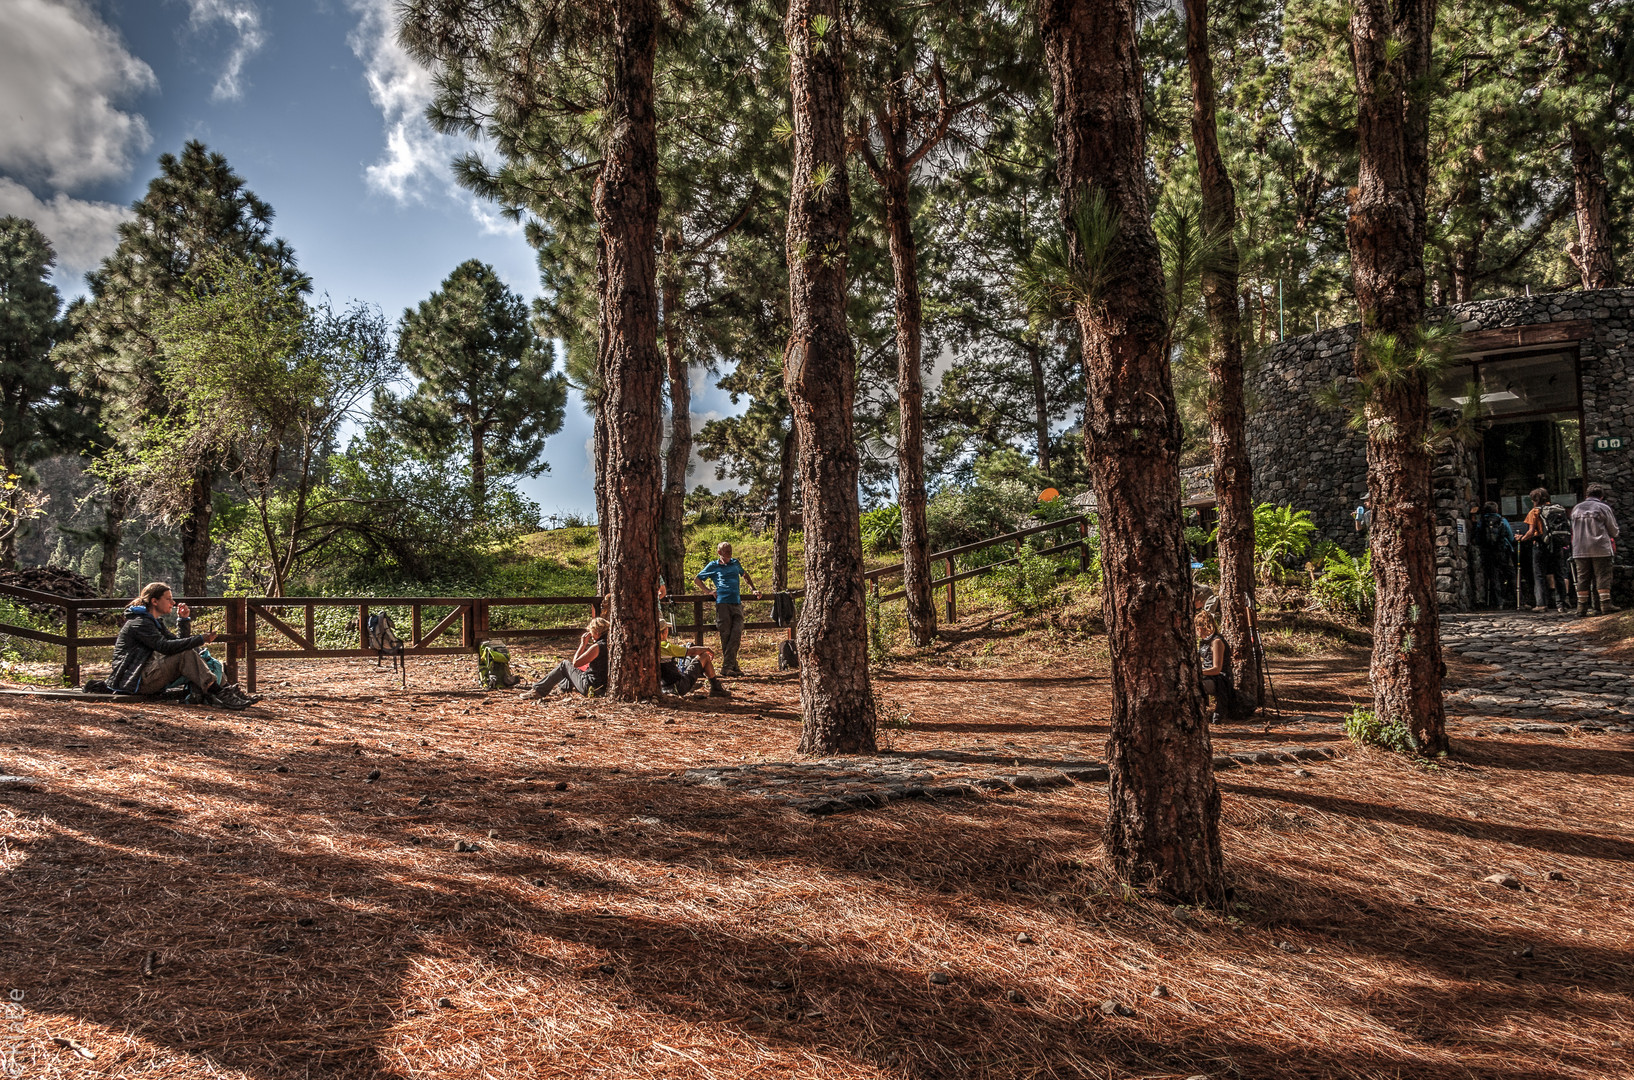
141,637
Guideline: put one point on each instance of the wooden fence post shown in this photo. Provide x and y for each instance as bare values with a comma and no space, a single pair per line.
312,625
70,663
417,631
363,626
952,607
249,648
235,626
697,622
1083,547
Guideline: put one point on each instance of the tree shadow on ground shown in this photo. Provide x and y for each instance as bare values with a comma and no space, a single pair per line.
623,933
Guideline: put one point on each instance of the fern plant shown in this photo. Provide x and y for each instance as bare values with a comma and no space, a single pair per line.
1281,535
1346,584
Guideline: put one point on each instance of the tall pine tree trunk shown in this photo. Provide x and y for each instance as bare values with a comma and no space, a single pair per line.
1391,46
1163,823
479,472
111,533
672,518
196,536
626,209
14,500
910,384
819,373
1233,479
1593,201
785,508
1041,404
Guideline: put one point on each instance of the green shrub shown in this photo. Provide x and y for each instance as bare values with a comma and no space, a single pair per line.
1346,584
884,623
1029,583
1366,729
1281,535
882,528
23,650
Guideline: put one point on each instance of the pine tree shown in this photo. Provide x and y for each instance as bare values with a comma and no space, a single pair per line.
486,385
1163,823
196,208
1233,477
924,72
33,409
819,375
1391,45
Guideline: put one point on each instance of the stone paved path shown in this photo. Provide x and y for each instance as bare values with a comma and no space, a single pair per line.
1547,672
832,785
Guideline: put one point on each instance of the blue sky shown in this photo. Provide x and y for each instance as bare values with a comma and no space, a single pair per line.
313,104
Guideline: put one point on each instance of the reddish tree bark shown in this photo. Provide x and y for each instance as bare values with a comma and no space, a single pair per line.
1163,822
196,537
910,384
672,516
626,209
1228,447
1592,196
1390,42
1041,405
785,508
819,373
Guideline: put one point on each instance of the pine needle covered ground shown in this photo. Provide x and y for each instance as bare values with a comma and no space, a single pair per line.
203,894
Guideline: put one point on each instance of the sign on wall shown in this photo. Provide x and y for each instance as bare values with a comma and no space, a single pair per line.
1604,443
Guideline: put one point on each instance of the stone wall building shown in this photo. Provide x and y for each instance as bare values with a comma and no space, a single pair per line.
1555,379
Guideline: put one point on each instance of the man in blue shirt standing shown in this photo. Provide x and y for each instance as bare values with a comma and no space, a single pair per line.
724,572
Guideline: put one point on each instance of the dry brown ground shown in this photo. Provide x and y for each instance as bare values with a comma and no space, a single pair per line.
180,908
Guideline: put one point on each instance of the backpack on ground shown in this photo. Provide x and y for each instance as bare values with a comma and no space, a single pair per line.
1557,527
382,638
787,658
494,667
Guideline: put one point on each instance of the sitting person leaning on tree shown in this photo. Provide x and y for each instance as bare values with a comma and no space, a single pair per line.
586,672
147,657
676,660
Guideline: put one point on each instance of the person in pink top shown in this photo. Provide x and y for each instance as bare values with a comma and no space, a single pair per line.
1594,543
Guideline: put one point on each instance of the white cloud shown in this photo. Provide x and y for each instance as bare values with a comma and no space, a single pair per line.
415,166
243,20
83,232
63,73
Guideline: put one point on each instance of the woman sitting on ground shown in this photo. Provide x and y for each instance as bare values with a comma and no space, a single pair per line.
147,657
1214,653
586,672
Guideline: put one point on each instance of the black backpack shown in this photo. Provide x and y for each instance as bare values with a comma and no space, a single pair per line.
1489,533
787,658
1557,527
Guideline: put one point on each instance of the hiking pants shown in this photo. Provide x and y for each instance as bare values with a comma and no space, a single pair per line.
1497,569
562,673
1593,577
1547,564
729,621
160,671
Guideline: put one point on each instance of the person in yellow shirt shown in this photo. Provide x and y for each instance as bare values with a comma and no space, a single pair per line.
677,660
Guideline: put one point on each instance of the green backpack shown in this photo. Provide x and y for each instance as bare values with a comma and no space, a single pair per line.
494,667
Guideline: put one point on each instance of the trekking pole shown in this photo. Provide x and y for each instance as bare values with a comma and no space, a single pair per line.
1259,652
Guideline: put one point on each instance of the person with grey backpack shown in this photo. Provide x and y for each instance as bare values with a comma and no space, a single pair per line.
1549,530
1594,544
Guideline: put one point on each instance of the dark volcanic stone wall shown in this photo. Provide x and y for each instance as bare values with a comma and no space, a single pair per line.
1309,456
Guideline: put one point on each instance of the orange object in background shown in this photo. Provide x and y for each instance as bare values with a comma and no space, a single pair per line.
1048,495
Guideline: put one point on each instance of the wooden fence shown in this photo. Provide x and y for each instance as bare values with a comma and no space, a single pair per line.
285,628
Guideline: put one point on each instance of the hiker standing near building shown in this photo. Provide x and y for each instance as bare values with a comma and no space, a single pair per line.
1496,541
723,572
1361,518
1594,542
1548,529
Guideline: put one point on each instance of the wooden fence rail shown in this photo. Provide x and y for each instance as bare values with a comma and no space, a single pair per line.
291,623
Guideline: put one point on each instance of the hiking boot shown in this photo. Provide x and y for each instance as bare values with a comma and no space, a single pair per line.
1583,611
716,689
195,696
233,703
231,692
732,672
1607,607
1540,607
1561,607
